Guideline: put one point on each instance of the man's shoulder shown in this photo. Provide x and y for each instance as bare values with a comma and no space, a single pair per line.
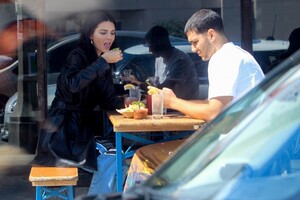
232,51
180,55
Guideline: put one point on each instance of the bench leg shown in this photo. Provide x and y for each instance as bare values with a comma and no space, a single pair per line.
38,193
71,192
47,192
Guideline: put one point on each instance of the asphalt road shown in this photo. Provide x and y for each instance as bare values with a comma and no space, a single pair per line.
14,173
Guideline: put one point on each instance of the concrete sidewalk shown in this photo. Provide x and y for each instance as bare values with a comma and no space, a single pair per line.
14,173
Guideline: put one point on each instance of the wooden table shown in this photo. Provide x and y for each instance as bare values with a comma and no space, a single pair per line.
128,128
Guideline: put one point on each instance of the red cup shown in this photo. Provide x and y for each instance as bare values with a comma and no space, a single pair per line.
149,104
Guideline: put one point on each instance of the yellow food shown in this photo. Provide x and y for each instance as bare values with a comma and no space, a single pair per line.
129,86
126,112
137,105
152,90
115,49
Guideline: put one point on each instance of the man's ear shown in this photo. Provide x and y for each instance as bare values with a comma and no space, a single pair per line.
211,34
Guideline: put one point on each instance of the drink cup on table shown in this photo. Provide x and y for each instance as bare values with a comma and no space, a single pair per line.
157,105
135,93
128,101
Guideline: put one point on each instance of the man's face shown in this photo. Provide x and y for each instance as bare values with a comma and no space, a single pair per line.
152,50
201,44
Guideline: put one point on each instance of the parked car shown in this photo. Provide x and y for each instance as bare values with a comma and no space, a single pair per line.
250,151
142,61
56,56
267,52
138,58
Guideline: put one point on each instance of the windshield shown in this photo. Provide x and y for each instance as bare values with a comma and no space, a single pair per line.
230,146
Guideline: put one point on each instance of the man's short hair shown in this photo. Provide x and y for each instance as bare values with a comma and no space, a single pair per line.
203,20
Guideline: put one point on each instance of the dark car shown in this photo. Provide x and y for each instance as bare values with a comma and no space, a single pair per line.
56,56
136,57
55,59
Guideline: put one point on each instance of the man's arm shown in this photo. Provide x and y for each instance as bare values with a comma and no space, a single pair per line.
201,109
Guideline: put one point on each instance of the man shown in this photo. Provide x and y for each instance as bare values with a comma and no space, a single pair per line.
177,70
231,72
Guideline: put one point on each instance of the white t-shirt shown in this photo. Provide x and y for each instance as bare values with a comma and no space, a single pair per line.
160,70
232,71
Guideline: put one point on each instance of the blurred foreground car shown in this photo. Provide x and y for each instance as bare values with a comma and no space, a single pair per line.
250,151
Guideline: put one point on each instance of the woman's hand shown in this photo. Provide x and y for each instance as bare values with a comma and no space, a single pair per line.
113,56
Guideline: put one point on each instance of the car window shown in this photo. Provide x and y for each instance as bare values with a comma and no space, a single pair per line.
142,65
267,59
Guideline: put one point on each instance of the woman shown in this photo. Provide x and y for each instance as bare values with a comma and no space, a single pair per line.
67,138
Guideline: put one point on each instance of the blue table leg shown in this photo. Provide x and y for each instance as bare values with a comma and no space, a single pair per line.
38,193
119,162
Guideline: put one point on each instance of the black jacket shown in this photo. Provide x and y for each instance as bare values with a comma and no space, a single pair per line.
67,138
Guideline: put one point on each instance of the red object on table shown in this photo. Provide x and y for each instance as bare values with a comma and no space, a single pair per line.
149,104
140,114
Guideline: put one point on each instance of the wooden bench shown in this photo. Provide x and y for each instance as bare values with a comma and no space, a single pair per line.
54,181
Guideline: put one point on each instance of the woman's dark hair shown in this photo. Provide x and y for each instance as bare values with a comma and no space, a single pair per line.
203,20
88,28
158,38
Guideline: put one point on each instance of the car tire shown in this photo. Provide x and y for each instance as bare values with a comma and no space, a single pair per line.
3,100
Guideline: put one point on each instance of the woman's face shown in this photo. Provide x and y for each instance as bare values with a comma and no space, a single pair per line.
103,37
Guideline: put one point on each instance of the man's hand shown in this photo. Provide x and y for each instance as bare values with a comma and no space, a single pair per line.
168,96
